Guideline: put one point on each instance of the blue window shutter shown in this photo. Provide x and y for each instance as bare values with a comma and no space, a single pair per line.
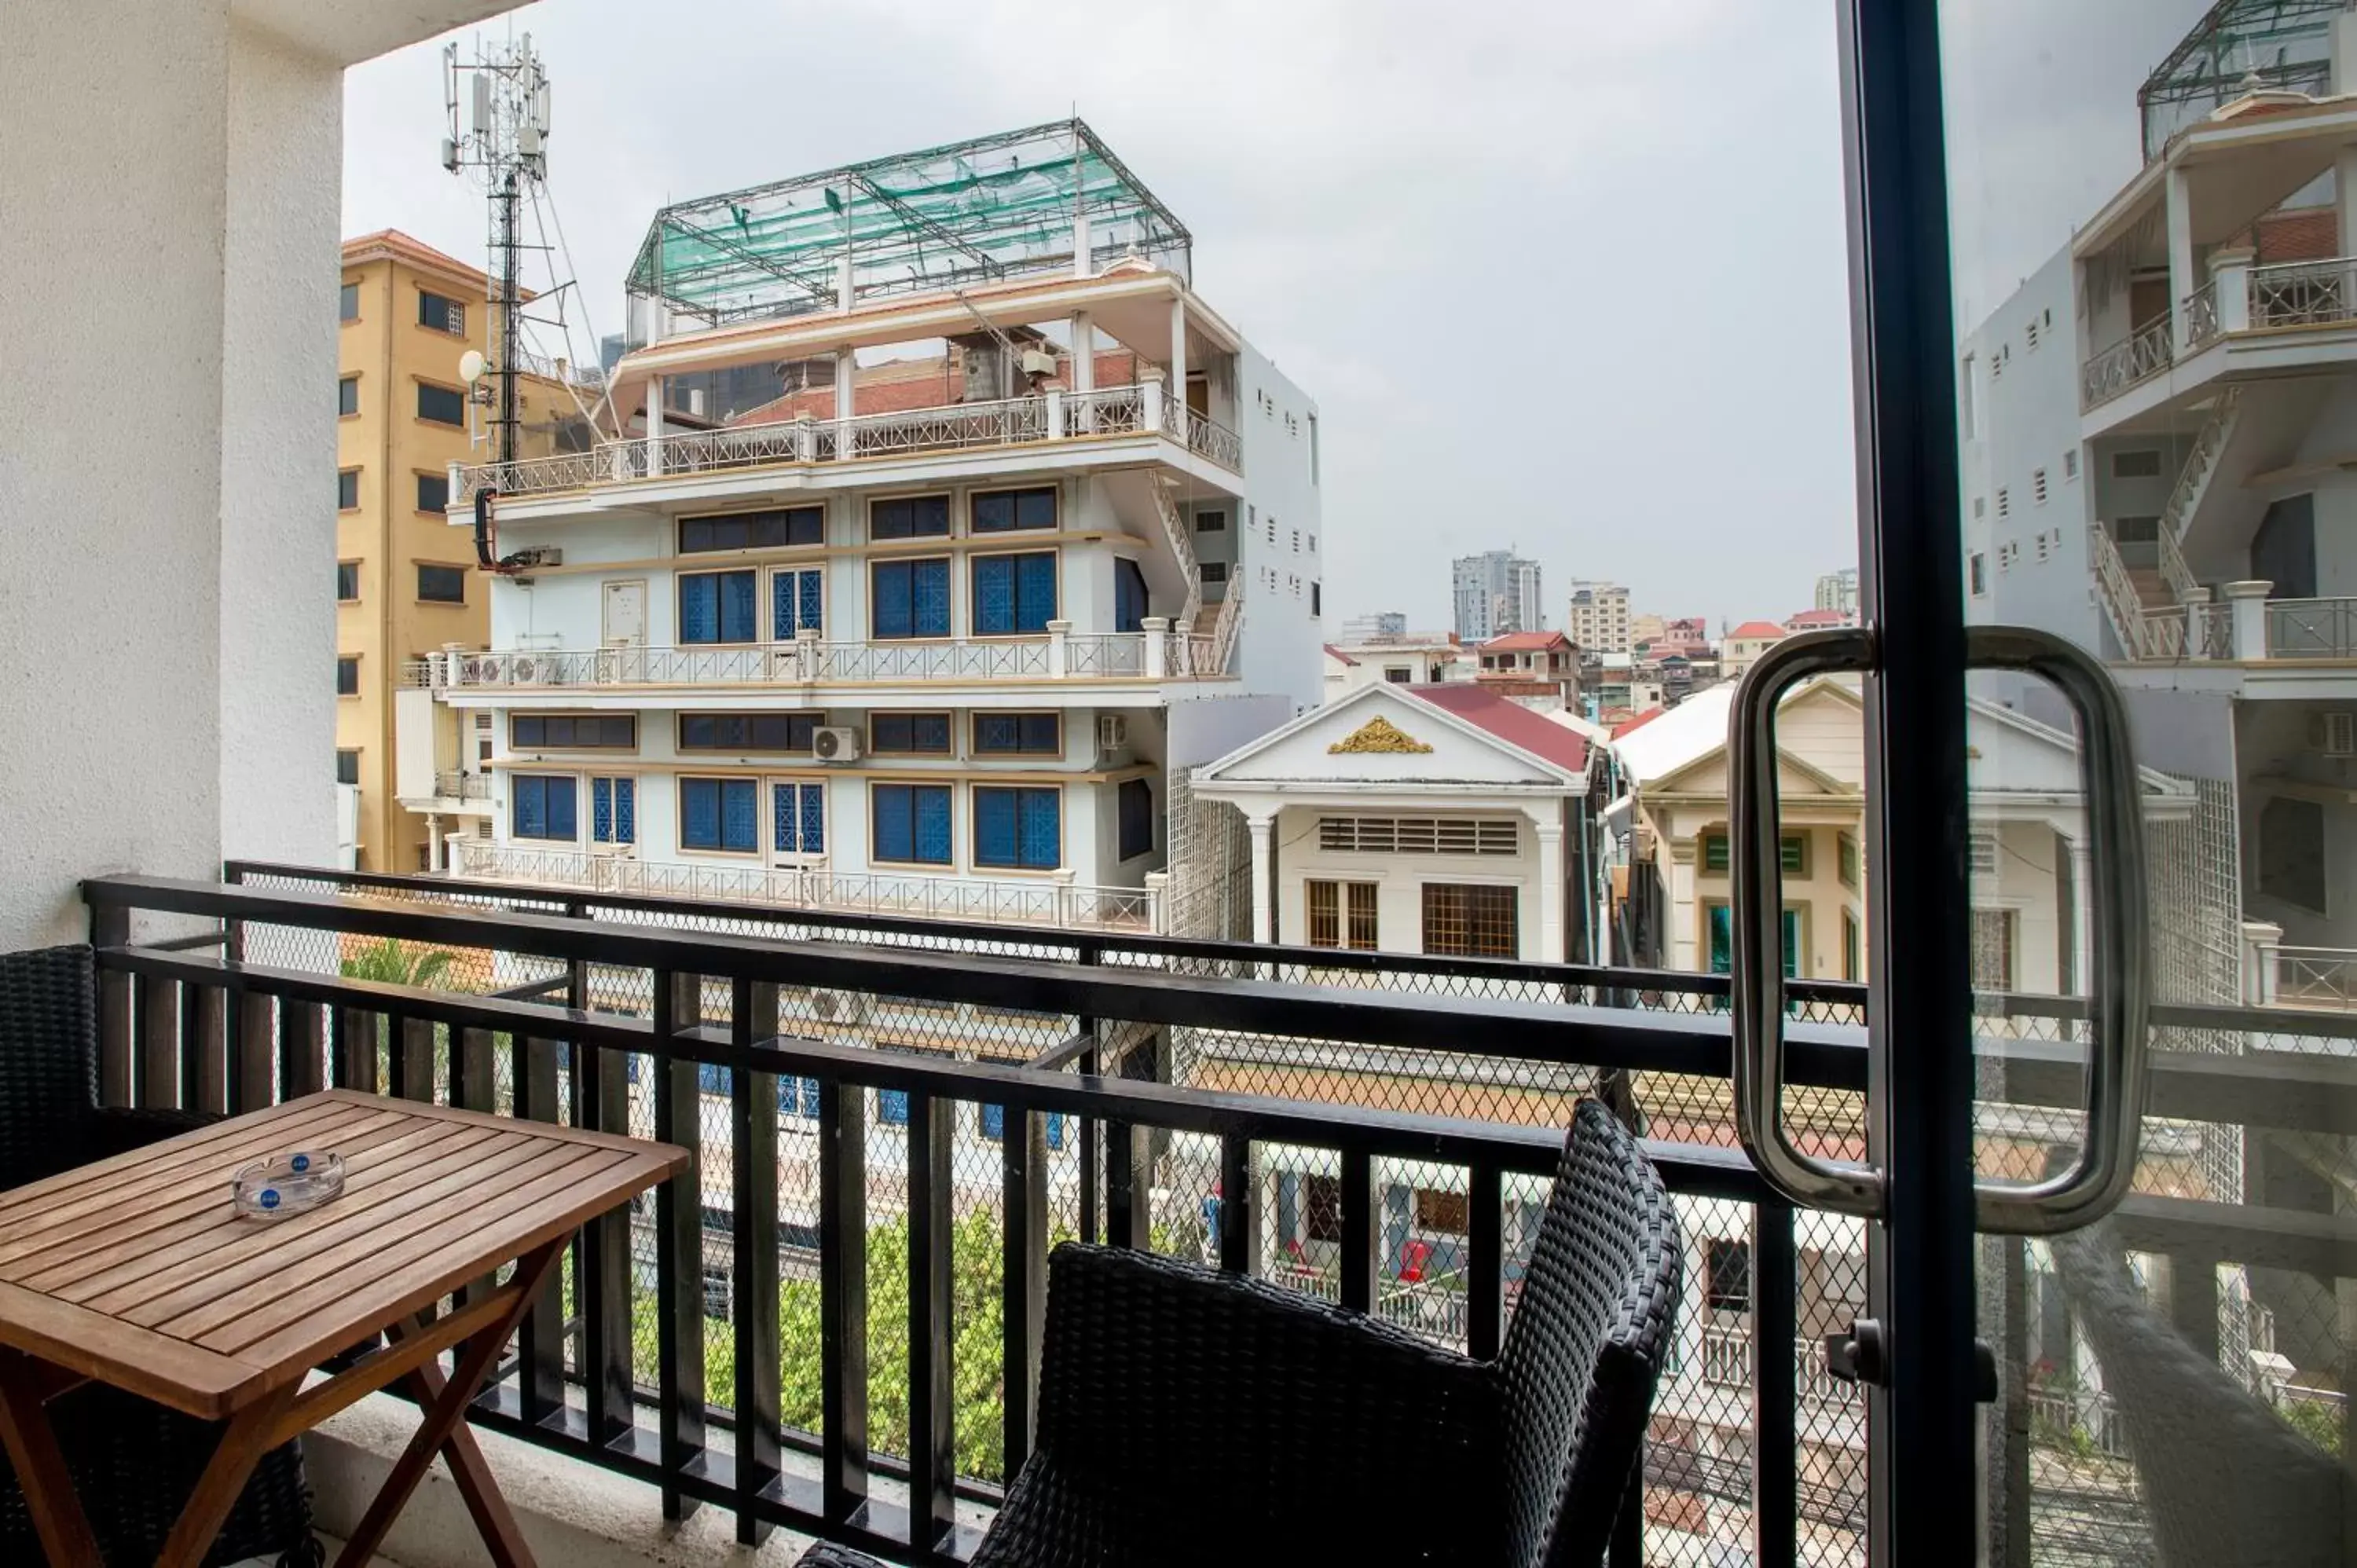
812,607
782,814
737,617
626,810
894,817
564,822
1042,846
530,811
892,1106
699,803
699,609
813,807
782,606
996,732
930,598
994,827
993,595
889,614
711,1078
810,1096
601,810
1035,592
1055,1130
993,1122
932,802
740,825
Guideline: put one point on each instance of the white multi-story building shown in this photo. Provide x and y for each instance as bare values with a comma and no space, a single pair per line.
1838,591
2156,429
1599,621
1496,592
1031,529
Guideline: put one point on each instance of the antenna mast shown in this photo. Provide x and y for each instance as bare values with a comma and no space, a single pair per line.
505,148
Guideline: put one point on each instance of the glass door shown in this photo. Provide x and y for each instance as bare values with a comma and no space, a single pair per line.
2100,260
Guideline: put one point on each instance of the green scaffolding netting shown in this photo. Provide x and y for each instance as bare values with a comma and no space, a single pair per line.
2274,44
947,217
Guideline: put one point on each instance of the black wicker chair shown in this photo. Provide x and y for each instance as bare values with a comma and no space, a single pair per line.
132,1462
1188,1417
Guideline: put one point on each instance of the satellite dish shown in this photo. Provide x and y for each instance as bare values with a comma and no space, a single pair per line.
470,366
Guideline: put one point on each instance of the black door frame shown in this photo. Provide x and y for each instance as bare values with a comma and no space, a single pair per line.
1922,1453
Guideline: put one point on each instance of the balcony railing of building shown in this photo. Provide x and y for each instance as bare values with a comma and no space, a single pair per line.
1050,900
2141,355
2316,977
2311,628
1178,1071
1156,654
1726,1363
952,427
453,785
2303,294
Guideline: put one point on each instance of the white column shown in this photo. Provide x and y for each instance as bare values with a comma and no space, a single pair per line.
1157,631
1084,351
1179,353
2262,976
1083,264
2230,274
2181,281
1683,912
1551,950
2082,914
2197,624
1262,825
1157,902
2247,605
434,842
654,425
2344,167
845,401
1059,651
1055,413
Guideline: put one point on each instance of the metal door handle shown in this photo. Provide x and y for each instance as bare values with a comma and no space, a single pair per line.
2120,986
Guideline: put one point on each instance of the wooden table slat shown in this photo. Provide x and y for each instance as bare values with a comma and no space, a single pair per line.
246,1243
104,1192
123,1233
170,1372
427,1265
134,1250
438,1202
197,1145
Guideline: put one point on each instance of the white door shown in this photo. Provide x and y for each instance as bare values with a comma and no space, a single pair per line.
624,624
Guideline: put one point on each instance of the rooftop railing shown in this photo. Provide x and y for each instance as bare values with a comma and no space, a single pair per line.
867,1096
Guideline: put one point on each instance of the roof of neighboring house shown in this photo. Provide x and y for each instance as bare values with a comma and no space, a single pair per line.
1526,641
1334,653
392,244
896,386
1816,617
1668,741
1578,724
1752,628
1637,721
1510,721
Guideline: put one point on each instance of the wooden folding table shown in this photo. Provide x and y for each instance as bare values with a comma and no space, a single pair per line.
138,1271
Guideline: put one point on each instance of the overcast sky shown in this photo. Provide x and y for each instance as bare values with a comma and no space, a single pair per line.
1568,278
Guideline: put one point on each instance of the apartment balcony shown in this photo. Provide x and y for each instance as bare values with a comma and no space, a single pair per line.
2246,322
1052,899
1109,427
1099,664
1093,1082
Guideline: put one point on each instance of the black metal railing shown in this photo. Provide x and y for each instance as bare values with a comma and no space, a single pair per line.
893,1119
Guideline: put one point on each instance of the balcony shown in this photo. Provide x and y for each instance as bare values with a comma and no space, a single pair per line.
2245,320
1053,419
1048,901
1212,1101
1153,655
449,784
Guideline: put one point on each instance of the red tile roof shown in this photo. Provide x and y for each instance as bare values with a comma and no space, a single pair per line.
1334,653
1639,722
1510,721
1817,618
1758,629
1526,641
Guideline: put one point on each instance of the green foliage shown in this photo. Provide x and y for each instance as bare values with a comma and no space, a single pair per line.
2316,1421
387,963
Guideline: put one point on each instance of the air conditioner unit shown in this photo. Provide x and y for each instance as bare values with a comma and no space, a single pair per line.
838,1008
1038,362
1112,732
836,743
2334,734
524,671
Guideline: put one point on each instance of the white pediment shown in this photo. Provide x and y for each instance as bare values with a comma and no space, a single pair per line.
1381,735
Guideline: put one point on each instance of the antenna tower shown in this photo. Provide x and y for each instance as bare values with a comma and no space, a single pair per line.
504,147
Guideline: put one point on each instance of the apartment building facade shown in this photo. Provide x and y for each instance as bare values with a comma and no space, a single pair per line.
2154,423
936,653
1400,659
1598,618
406,583
1494,593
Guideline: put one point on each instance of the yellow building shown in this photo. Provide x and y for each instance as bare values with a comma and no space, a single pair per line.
405,580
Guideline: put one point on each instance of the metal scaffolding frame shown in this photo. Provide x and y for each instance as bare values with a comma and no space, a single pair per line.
945,218
2283,45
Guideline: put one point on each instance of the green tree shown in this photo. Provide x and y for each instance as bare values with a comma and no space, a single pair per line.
387,963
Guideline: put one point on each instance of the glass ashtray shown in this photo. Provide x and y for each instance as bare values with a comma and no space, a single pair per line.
289,1183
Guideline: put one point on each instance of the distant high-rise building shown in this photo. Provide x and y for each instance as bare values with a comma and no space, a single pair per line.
1599,616
1838,591
1368,628
1497,592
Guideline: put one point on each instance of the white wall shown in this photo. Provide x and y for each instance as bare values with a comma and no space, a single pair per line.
1280,650
1399,880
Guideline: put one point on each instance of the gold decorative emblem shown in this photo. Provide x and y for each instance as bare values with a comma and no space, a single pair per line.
1377,736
